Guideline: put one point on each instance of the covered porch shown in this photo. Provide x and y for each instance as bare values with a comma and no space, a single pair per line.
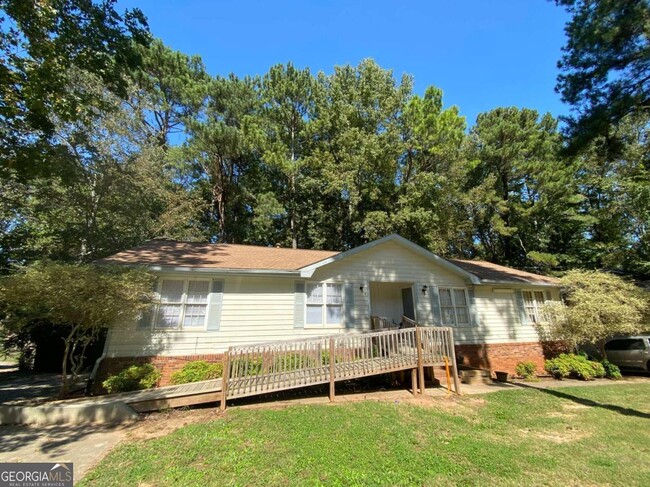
393,304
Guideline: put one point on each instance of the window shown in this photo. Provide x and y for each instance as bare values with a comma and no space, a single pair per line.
454,306
324,304
625,344
183,304
533,301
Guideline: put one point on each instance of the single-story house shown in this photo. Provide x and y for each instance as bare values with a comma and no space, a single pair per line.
213,296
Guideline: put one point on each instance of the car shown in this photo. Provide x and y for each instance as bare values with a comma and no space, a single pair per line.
630,352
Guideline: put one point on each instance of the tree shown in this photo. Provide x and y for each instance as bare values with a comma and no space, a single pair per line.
288,109
529,210
39,44
117,191
359,146
616,204
432,204
172,88
83,299
597,305
223,154
605,73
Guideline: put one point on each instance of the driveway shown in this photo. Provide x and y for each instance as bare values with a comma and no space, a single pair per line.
29,389
83,445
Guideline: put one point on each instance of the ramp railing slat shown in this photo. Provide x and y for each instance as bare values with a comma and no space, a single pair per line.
276,366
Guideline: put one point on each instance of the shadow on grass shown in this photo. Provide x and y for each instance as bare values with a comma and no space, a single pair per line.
588,402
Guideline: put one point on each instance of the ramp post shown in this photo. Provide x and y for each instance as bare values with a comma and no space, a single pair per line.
332,369
414,381
454,366
224,380
418,343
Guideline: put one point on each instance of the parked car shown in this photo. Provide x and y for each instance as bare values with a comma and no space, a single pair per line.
630,352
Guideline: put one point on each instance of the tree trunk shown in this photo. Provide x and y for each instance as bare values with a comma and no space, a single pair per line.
64,366
292,212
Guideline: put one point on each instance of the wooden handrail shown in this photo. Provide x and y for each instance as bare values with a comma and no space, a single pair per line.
274,366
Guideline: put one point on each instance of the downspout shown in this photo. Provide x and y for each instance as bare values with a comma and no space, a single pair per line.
93,374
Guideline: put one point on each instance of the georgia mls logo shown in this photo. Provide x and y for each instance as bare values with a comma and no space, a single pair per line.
36,475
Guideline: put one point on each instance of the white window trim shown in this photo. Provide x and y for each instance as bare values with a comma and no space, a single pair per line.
186,283
453,302
324,305
539,319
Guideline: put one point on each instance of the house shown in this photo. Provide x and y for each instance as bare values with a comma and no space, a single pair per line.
213,296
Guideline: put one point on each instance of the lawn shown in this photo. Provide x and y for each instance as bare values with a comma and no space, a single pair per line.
568,436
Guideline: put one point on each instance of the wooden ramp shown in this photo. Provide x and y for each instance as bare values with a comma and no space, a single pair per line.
270,367
278,366
173,396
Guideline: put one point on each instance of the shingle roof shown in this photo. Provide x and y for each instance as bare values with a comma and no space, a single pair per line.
218,256
251,257
489,272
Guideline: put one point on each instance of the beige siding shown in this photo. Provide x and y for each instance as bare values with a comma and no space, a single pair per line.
388,262
258,309
498,319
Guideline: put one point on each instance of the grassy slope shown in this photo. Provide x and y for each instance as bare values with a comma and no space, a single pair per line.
594,435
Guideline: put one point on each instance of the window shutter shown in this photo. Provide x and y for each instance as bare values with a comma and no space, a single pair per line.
434,295
473,312
299,305
523,316
348,300
215,305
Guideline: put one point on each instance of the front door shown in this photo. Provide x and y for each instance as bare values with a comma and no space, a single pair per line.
407,303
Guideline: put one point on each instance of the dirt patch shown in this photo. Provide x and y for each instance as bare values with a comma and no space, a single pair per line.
569,435
574,407
156,425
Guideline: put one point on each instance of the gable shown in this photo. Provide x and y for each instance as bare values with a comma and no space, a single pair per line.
388,261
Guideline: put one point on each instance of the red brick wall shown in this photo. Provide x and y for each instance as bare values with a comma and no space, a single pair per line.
166,365
506,356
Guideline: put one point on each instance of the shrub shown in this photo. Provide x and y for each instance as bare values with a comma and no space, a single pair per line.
576,366
611,371
527,370
133,378
558,367
248,367
197,371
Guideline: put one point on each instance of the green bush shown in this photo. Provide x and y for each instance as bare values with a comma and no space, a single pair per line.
611,371
197,371
527,370
248,367
133,378
575,366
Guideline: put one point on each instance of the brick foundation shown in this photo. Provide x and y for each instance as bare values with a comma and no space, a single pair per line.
506,356
166,365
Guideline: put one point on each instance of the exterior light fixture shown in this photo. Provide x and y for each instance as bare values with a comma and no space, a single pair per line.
424,290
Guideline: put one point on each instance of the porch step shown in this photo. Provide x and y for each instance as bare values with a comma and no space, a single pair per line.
475,376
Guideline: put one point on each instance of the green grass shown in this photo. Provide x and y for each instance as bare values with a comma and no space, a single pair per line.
569,436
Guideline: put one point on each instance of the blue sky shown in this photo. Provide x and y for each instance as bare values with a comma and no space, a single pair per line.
483,54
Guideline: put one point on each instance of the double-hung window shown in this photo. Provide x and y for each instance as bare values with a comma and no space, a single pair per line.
324,304
533,301
454,306
183,304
